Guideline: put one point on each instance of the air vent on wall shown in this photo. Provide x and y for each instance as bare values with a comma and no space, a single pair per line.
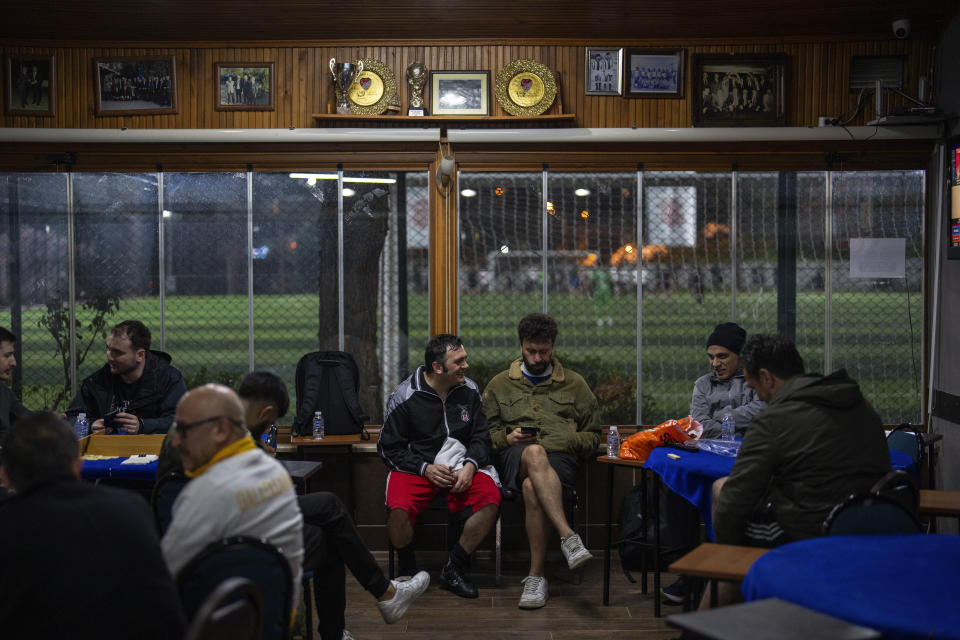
866,70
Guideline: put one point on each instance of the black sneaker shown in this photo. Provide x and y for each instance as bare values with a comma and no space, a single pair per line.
453,579
674,593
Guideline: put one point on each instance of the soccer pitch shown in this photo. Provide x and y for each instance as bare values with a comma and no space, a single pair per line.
208,337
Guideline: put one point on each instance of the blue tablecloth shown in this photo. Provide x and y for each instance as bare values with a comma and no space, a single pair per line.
693,473
906,586
111,468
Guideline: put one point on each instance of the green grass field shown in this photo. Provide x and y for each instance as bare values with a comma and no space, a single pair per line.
208,338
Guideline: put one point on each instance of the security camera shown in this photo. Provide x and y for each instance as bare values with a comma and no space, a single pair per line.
901,28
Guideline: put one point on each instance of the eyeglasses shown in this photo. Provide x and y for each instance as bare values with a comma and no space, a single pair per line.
183,427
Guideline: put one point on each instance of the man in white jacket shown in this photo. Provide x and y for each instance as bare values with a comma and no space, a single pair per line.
236,488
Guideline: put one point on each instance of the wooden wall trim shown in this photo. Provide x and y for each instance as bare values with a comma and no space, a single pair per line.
817,78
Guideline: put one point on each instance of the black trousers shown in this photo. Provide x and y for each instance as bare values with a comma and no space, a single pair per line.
330,543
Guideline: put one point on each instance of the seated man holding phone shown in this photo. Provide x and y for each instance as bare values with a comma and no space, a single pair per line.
136,391
543,421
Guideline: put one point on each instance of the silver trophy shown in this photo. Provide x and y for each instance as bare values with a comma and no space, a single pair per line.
344,74
416,78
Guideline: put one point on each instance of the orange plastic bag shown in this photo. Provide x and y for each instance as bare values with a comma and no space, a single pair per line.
639,445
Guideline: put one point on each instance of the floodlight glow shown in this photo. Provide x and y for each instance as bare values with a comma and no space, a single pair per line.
581,192
167,213
468,193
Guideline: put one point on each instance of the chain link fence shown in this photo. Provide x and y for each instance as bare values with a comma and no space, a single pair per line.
229,270
711,247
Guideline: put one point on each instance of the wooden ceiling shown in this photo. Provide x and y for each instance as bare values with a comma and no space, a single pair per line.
599,21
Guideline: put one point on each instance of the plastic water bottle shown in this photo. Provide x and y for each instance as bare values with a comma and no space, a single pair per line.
728,428
613,443
319,428
81,427
273,436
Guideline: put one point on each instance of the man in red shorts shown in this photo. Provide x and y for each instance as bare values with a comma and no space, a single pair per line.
435,439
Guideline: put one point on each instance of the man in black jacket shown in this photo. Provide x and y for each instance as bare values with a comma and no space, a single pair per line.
136,391
78,561
434,440
10,407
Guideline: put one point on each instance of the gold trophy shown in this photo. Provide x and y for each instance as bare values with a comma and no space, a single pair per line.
344,74
416,78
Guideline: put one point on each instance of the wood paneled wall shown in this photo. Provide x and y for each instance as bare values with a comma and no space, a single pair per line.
816,81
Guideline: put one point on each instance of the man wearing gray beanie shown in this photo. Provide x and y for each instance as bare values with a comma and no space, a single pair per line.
724,390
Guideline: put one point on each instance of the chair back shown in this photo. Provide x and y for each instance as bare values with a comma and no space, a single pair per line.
905,440
899,486
869,514
165,493
231,612
250,558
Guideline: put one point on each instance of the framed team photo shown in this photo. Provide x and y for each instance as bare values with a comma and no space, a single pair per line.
604,71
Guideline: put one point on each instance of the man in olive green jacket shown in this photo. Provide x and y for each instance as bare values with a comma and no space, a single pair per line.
818,441
543,421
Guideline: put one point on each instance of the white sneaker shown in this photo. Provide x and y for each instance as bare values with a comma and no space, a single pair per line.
574,551
407,591
534,593
347,635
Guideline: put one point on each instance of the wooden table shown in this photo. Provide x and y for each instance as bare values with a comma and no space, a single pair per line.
714,562
301,471
339,444
613,463
940,503
770,618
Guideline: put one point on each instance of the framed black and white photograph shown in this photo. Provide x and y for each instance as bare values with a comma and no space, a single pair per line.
654,74
244,86
738,90
460,93
30,88
135,85
604,72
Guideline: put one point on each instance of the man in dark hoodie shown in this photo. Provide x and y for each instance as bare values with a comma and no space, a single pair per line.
818,441
136,391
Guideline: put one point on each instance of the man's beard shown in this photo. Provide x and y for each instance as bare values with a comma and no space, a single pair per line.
535,369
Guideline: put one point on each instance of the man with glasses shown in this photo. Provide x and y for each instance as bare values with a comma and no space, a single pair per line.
331,541
136,391
236,488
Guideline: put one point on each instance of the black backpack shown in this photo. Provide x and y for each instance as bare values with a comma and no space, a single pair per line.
328,381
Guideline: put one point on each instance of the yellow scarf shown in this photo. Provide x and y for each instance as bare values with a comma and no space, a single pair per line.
243,444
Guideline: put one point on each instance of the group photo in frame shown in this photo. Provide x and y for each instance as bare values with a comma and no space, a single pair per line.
603,71
738,90
30,85
654,74
460,93
135,85
244,86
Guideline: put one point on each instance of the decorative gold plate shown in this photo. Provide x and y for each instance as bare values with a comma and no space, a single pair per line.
525,88
373,88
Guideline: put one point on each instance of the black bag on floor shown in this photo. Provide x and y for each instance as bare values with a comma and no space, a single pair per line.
679,528
329,381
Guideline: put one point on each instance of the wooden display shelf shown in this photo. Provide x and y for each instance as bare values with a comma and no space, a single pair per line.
447,121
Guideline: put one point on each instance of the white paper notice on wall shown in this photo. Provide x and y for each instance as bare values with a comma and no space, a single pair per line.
878,257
